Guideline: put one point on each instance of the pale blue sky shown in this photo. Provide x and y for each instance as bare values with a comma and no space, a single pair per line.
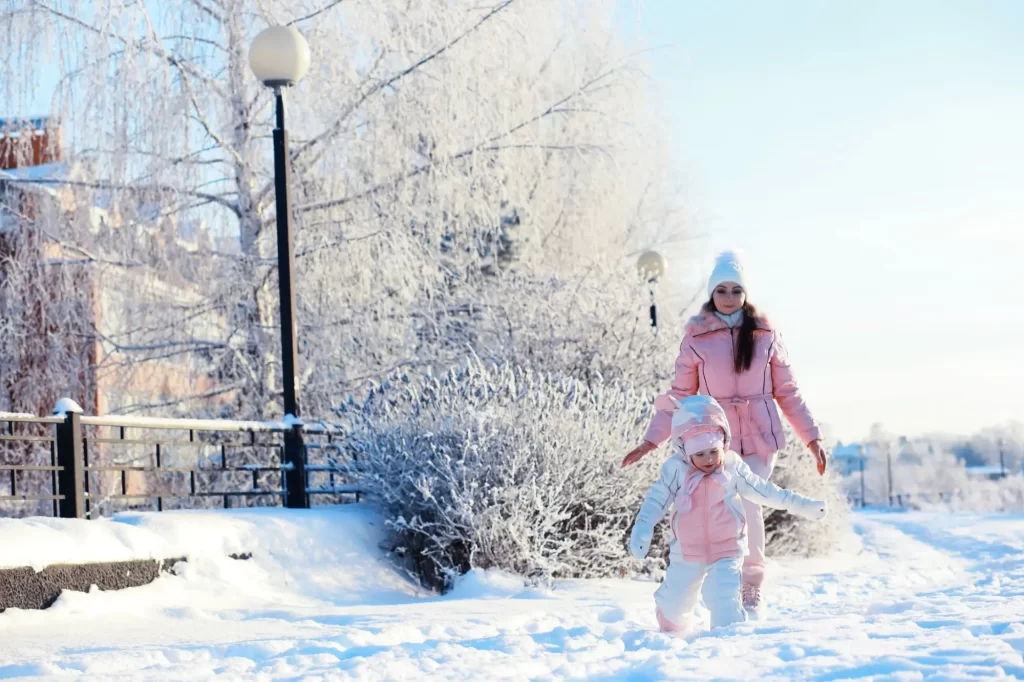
868,157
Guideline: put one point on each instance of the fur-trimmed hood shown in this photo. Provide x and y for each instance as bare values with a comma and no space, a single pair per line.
706,322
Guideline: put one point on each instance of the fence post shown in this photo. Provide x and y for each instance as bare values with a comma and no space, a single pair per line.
888,467
70,457
860,451
295,496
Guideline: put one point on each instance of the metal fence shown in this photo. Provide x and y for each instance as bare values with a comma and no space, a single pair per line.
892,488
78,466
905,500
858,497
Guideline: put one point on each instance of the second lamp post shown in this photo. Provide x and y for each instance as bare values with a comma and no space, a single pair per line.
651,265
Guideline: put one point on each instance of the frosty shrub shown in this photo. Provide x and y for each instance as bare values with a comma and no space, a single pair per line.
937,480
1004,495
498,466
970,495
786,534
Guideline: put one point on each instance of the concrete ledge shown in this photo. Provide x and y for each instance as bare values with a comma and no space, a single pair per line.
24,588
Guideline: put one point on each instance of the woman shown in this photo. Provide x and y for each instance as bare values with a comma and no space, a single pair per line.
733,354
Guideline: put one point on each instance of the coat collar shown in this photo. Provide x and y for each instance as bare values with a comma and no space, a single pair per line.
705,323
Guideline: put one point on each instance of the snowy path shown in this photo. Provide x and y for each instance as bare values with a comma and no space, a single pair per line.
916,596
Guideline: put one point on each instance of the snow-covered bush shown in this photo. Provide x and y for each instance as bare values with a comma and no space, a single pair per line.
1003,495
501,467
498,466
786,534
932,473
935,480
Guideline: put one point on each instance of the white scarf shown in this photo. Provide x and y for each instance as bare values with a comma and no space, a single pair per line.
732,320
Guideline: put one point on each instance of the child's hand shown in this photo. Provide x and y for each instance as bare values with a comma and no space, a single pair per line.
639,545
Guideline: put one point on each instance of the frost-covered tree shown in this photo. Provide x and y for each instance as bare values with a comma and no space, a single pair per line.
1000,446
467,178
47,334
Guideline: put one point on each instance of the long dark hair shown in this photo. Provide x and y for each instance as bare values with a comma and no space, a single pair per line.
743,355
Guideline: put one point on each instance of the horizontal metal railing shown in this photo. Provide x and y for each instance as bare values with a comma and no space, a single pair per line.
96,463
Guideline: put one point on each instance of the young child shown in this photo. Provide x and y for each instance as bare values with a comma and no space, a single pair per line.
704,481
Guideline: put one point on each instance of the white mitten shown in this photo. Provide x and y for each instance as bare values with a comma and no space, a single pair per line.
639,544
815,510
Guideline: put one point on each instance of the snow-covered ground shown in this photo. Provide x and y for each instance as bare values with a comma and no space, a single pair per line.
913,596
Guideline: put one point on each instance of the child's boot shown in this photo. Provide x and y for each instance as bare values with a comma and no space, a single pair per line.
683,624
752,601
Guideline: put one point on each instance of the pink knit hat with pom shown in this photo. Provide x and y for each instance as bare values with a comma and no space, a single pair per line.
699,423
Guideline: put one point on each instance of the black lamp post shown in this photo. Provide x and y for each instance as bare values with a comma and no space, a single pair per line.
651,265
280,57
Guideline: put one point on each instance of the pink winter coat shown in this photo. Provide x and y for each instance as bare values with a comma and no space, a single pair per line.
705,366
709,521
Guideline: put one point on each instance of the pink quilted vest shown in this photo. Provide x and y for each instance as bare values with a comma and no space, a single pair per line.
709,530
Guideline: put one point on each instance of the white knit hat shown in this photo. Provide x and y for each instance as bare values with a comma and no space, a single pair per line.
728,268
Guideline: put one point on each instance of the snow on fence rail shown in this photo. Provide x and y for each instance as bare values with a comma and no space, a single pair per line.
81,466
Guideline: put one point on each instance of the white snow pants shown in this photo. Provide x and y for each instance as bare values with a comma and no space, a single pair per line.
684,583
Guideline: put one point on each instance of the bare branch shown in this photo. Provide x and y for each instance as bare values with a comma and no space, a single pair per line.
139,407
209,11
397,180
203,41
335,127
485,146
230,205
187,84
164,345
554,108
315,13
152,49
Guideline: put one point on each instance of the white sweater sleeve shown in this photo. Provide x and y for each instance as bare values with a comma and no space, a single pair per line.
766,493
657,502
